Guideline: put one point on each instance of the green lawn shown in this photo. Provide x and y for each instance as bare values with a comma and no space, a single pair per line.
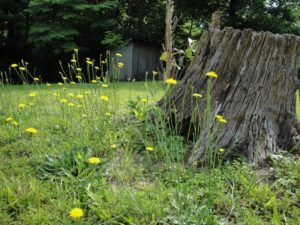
44,175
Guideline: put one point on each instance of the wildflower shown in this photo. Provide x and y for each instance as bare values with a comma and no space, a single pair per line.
94,160
22,68
32,94
149,149
60,83
221,150
31,104
64,88
103,62
76,50
79,77
31,130
143,100
87,92
71,95
63,100
76,213
88,59
104,98
97,78
14,65
108,114
73,60
36,79
104,85
21,105
55,94
78,69
9,119
15,123
118,54
171,81
97,67
79,106
48,84
89,62
71,104
72,82
154,73
79,96
219,117
94,81
113,146
212,74
197,95
222,120
120,64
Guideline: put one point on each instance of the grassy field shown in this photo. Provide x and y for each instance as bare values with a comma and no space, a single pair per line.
91,149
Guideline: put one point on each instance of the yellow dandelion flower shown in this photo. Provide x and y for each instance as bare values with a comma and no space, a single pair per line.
22,68
32,94
94,160
88,59
103,62
36,79
79,77
197,95
73,60
221,150
87,92
171,81
76,213
55,94
149,149
97,67
94,81
14,65
71,104
71,95
9,119
31,130
48,84
60,83
79,96
14,123
113,146
212,74
72,82
78,69
21,106
120,65
118,54
143,100
89,62
104,98
104,85
222,120
63,100
76,50
219,116
108,114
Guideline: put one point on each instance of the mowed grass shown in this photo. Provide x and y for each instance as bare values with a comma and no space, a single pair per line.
45,175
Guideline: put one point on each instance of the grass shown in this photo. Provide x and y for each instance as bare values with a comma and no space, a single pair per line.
45,175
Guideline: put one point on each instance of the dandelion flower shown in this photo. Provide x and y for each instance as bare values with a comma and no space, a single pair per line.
197,95
22,68
222,120
171,81
55,94
94,81
32,94
79,106
14,65
219,117
79,96
76,213
143,100
31,104
36,79
76,50
71,104
120,65
97,67
63,100
89,62
149,149
79,77
78,69
94,160
88,59
48,84
108,114
31,130
221,150
60,83
72,82
73,60
113,146
9,119
71,95
104,85
118,54
21,105
14,123
212,74
87,92
103,62
104,98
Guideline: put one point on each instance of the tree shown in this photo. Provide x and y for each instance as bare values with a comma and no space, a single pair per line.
255,93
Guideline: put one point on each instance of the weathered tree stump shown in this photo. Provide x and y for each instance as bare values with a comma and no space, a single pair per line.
255,91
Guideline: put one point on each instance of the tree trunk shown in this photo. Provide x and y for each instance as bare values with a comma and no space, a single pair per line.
169,36
254,92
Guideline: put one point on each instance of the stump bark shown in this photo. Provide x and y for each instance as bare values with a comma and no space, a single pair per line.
255,92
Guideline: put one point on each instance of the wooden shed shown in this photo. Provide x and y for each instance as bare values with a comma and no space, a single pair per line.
138,59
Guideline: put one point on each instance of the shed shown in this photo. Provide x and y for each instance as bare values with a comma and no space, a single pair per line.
138,59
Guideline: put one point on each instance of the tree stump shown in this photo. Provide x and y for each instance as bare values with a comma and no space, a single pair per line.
254,91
